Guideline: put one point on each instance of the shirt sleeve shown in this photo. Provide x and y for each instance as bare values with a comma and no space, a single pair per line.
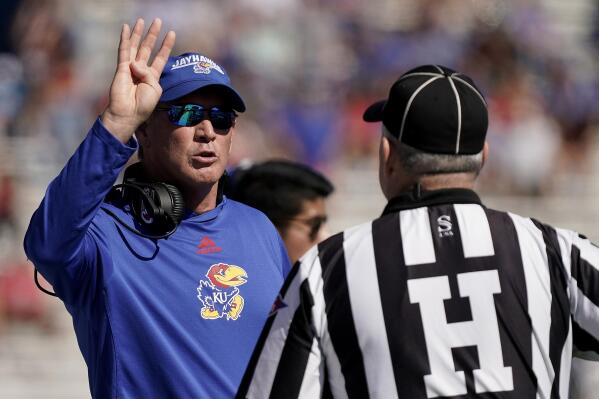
288,361
57,239
581,259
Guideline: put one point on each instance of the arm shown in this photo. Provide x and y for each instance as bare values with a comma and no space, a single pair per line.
287,361
57,240
581,258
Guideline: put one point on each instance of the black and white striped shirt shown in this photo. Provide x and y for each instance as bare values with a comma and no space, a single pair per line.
440,297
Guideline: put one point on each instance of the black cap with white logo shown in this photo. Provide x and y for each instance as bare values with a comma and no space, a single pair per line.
434,109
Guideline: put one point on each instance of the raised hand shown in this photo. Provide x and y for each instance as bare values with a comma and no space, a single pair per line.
135,90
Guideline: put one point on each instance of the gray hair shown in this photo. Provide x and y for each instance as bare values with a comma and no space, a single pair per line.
418,163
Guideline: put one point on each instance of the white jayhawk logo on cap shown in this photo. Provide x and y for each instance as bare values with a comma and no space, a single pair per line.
200,63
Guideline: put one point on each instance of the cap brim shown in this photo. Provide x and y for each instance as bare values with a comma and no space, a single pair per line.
187,87
374,113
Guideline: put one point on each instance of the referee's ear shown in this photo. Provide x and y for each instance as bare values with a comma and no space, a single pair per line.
387,155
485,153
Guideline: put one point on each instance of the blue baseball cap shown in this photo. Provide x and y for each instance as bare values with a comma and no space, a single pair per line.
188,72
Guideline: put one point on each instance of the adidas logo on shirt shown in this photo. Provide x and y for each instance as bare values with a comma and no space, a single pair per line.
207,246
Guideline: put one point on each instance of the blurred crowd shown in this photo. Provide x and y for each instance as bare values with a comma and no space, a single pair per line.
307,69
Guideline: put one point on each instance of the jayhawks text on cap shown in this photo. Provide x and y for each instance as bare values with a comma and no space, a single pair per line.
188,72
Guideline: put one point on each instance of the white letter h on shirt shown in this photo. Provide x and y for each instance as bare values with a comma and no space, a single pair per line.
442,336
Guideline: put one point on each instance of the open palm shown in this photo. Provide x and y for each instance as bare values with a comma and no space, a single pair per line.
135,90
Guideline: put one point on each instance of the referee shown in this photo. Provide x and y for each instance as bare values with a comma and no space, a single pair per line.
440,297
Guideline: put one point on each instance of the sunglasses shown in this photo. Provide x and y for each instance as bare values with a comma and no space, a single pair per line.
314,224
192,114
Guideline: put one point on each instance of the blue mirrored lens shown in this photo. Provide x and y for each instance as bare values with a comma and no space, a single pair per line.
192,114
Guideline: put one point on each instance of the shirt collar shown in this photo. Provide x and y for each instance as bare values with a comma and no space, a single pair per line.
418,197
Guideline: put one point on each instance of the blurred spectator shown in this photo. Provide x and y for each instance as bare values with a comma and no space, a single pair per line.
7,209
525,139
20,301
53,104
570,100
11,91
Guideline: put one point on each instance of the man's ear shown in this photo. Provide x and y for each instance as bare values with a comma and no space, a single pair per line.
485,153
389,154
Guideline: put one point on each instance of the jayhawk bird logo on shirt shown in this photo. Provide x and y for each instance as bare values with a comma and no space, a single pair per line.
219,294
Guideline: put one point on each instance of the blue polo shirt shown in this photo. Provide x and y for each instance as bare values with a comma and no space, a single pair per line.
169,318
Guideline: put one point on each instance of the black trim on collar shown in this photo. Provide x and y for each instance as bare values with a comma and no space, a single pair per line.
418,198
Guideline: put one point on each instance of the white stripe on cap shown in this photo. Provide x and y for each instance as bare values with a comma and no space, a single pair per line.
457,99
434,76
471,87
410,75
405,114
441,71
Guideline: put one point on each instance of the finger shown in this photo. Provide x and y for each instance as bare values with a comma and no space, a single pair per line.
145,49
141,72
138,30
162,56
124,49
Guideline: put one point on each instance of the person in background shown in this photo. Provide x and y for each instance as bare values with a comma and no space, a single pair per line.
168,282
292,195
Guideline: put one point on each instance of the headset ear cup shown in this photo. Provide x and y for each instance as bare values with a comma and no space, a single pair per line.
143,207
177,208
172,205
157,206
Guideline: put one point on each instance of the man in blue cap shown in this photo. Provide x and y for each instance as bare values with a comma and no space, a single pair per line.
168,282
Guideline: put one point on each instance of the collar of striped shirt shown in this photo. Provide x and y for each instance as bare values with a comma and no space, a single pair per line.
417,198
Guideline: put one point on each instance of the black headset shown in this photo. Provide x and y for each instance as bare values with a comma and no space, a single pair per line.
156,207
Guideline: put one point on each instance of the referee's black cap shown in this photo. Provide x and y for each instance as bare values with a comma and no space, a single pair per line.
434,109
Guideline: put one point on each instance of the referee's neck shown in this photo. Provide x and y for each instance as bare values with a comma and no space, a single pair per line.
437,182
447,180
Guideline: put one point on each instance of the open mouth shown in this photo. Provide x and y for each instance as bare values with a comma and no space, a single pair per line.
205,157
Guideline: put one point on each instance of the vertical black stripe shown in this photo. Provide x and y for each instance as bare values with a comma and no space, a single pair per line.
587,276
403,323
340,318
587,280
560,304
515,326
249,372
296,352
326,389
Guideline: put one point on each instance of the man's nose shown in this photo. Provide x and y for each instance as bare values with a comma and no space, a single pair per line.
205,131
